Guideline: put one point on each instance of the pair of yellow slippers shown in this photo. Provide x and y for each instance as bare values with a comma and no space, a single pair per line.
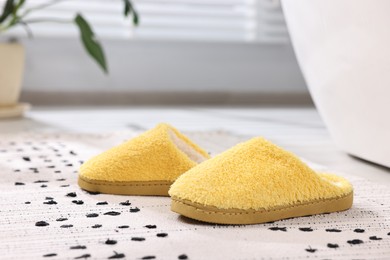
253,182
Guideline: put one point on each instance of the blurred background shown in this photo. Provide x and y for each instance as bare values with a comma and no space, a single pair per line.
195,52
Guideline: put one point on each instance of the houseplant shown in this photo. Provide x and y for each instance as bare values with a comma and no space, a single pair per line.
342,49
17,13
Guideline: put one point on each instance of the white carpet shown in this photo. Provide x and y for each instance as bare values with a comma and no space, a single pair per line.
38,175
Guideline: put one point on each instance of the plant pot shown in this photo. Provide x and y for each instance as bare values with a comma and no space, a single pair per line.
343,51
11,73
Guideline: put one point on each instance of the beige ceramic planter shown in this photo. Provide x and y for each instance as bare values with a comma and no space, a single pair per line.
11,74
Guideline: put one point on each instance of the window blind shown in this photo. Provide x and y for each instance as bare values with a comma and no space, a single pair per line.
192,20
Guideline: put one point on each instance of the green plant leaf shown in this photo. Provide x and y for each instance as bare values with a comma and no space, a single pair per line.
15,17
135,17
7,10
130,9
20,4
90,42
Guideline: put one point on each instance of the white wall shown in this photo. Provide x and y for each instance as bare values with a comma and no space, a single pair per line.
61,65
144,66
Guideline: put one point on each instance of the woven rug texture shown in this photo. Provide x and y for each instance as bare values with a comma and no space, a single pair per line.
45,215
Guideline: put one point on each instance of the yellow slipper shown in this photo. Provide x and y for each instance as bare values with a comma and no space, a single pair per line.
257,182
145,165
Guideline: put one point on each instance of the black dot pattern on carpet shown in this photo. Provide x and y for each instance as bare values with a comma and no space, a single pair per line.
112,213
41,224
124,226
151,226
355,242
334,230
50,202
71,194
284,229
375,238
134,210
162,234
66,226
125,203
46,173
117,256
97,226
78,247
84,256
330,245
306,229
110,242
92,215
311,250
138,239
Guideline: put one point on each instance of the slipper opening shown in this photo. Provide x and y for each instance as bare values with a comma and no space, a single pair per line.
337,181
187,149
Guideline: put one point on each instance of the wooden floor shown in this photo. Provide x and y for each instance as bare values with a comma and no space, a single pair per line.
297,129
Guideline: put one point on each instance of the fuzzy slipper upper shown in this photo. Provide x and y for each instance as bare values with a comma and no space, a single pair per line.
256,175
160,154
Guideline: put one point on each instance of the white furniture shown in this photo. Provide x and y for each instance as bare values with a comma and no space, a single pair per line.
343,49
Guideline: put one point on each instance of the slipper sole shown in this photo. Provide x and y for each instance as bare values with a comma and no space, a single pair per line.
236,216
151,188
